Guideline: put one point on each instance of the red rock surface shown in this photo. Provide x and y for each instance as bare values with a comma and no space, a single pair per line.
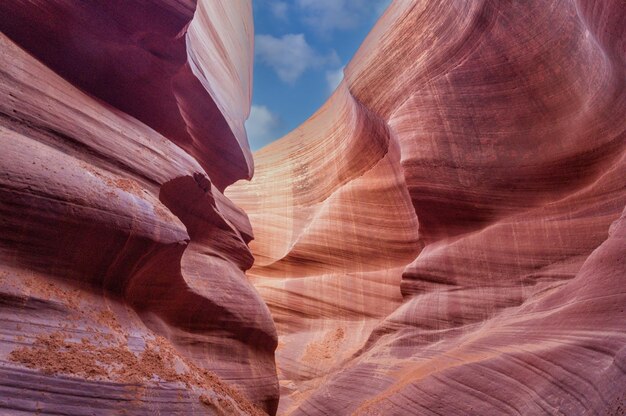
504,126
122,264
445,236
182,70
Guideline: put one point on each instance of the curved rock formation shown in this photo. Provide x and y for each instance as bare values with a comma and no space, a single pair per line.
122,264
504,125
445,236
183,71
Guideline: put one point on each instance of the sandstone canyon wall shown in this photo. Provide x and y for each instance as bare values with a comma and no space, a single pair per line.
445,236
122,286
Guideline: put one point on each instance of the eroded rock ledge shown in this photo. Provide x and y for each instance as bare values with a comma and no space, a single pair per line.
499,128
445,236
122,264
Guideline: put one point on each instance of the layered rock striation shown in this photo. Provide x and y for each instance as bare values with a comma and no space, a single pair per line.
122,263
445,235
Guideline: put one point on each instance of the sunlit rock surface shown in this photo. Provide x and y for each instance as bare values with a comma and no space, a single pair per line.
122,286
445,236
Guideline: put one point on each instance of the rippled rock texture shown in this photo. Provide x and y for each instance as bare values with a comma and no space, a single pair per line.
122,286
446,235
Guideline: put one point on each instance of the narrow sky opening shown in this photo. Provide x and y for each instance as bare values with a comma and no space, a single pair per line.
301,48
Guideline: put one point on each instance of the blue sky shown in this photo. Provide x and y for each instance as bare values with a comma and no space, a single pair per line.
301,47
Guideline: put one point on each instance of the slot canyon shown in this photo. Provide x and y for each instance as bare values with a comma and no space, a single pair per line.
446,235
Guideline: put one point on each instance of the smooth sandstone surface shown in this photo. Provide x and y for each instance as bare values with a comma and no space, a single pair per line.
445,235
182,70
122,264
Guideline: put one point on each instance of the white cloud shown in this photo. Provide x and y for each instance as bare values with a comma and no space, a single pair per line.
333,78
279,9
325,16
262,126
290,55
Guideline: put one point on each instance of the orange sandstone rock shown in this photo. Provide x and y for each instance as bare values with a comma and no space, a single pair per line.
445,236
121,122
500,129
